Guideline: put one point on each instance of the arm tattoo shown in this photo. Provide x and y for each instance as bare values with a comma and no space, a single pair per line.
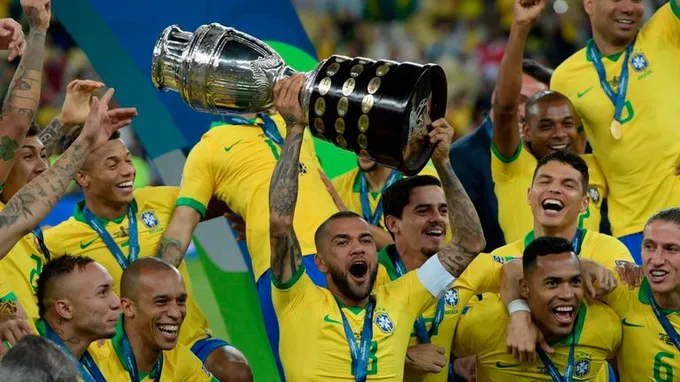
23,95
290,119
286,252
170,250
467,236
8,308
50,134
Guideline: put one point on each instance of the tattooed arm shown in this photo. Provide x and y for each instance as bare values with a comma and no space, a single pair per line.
35,200
23,95
467,237
286,253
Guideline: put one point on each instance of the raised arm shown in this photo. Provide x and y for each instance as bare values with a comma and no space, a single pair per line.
177,236
34,201
509,82
23,95
74,112
283,191
467,238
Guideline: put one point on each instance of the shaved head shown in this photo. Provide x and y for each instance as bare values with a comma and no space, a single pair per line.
130,283
322,232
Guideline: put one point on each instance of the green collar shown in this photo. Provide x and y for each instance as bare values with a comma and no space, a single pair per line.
117,342
645,297
531,236
41,327
578,327
385,259
613,57
78,214
354,309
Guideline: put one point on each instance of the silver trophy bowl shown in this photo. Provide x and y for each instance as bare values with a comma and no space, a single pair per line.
220,70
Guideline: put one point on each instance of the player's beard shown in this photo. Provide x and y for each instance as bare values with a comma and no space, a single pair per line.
340,279
371,168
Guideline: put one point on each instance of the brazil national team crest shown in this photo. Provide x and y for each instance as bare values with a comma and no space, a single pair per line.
594,194
149,219
384,322
639,62
451,297
581,368
498,259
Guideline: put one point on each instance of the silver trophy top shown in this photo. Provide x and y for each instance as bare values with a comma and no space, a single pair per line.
217,69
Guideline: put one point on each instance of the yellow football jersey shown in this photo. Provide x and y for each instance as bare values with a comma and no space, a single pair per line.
348,187
512,179
21,267
6,293
179,364
313,345
235,163
483,275
153,207
481,331
646,353
600,248
640,167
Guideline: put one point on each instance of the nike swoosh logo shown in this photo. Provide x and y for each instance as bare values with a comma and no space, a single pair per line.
327,318
505,365
583,93
85,245
230,147
626,323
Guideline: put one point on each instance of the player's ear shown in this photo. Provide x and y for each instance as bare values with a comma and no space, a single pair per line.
588,6
391,223
524,288
63,308
320,263
128,307
82,179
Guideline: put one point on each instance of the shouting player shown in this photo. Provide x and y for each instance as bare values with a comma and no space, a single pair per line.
621,85
550,125
346,253
584,335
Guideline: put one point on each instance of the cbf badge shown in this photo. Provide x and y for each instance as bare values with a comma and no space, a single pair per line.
149,219
581,368
594,194
639,62
451,297
385,323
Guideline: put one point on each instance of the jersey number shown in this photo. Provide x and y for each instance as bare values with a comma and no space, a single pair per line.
663,372
273,148
372,360
35,272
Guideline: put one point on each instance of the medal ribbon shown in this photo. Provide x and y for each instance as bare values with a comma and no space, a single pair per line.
552,370
37,231
110,243
131,364
618,98
268,126
360,352
663,320
87,367
424,336
374,218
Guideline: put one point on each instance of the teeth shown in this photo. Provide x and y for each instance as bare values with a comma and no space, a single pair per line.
437,232
553,201
127,183
659,273
624,21
168,328
559,147
565,309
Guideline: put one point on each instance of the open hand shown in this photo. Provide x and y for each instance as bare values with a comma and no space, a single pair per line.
523,335
12,38
76,105
102,122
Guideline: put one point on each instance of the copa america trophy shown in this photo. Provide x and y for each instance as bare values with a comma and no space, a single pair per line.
377,109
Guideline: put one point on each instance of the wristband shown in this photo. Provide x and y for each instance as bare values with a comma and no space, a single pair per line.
518,305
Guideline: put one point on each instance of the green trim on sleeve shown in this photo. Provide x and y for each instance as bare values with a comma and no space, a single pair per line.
289,284
676,8
193,203
502,158
9,297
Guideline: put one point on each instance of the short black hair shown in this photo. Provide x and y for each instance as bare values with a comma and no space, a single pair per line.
68,139
324,226
543,246
537,71
568,158
671,215
55,268
546,96
397,196
33,130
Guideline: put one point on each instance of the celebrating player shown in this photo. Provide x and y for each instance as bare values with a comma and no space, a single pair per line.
145,347
583,335
77,307
346,253
620,85
550,125
112,217
650,346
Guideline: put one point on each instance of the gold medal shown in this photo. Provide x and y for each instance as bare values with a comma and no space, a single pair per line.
616,129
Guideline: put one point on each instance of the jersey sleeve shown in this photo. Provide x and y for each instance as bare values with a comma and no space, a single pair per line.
483,275
160,196
6,294
610,252
198,181
597,184
620,298
479,326
504,169
291,295
665,24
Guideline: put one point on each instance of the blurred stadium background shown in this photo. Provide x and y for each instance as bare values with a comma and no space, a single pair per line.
466,37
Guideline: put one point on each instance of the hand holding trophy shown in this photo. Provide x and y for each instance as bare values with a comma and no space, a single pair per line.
378,109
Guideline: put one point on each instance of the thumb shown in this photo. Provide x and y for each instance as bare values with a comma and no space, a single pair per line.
590,287
4,32
544,344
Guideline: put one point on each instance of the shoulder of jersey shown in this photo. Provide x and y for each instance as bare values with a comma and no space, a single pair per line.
156,196
605,242
601,312
574,60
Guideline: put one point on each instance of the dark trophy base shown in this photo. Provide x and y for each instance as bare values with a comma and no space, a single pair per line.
379,109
